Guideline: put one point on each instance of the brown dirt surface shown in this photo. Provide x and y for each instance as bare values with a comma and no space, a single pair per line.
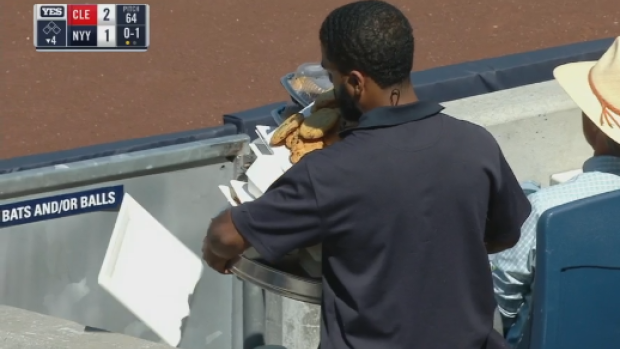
212,57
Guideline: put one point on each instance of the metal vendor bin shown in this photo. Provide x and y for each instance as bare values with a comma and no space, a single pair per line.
291,289
286,278
291,311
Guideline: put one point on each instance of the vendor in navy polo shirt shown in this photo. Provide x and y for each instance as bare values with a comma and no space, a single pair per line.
407,205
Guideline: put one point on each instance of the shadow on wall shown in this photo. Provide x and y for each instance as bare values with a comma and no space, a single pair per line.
257,341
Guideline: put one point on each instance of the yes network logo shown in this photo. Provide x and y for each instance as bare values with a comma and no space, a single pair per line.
52,11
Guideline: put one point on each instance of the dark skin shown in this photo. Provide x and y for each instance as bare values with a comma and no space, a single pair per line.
224,244
596,138
364,91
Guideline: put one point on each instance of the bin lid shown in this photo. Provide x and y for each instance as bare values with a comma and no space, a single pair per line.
286,278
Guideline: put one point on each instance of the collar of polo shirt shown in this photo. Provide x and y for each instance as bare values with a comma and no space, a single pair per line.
392,116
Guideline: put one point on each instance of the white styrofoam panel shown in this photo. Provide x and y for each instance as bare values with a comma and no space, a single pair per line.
264,171
241,190
227,192
148,270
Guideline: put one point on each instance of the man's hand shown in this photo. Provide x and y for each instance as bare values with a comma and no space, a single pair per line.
223,244
217,263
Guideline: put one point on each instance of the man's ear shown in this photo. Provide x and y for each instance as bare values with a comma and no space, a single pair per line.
356,81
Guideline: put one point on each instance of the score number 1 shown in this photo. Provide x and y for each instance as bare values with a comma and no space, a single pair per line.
107,35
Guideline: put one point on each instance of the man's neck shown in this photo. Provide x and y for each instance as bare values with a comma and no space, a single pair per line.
395,96
406,97
609,148
606,152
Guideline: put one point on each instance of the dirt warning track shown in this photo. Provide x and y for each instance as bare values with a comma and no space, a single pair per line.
212,57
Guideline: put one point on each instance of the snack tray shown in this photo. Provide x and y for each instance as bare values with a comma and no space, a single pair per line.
286,278
298,97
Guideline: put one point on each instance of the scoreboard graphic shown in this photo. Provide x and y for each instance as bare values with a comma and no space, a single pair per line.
91,28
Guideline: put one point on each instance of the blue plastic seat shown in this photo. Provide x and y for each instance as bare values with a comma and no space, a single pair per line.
577,280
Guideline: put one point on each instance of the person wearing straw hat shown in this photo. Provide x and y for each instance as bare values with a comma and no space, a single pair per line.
595,88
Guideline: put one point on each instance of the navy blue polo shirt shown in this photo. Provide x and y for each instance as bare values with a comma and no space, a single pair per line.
403,206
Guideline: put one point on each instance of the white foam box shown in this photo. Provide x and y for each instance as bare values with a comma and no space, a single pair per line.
564,176
241,191
264,171
228,194
148,270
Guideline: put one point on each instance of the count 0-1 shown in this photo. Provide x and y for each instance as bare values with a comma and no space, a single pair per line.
129,34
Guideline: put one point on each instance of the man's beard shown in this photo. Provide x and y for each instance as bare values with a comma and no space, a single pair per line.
347,105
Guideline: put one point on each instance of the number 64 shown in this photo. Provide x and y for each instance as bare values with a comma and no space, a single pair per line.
131,18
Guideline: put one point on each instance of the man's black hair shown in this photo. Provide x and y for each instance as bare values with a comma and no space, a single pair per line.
370,36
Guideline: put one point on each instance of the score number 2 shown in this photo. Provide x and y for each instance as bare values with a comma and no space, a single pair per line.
106,16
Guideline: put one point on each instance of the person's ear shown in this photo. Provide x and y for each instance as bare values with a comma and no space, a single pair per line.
355,82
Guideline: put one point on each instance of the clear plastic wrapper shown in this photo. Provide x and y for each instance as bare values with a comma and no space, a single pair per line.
309,81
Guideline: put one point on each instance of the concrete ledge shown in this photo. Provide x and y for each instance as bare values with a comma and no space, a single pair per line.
510,105
538,127
21,329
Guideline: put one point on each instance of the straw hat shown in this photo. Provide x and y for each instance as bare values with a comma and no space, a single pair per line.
595,87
